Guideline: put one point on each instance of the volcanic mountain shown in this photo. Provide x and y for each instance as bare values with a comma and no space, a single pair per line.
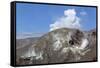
58,46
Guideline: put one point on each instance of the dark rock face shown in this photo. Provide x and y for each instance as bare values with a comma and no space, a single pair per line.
59,46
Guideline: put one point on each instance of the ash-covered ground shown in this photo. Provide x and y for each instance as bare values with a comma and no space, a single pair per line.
58,46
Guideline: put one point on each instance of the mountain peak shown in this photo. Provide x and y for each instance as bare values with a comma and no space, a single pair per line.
56,47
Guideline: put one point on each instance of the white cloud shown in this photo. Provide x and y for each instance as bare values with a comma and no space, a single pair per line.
70,12
69,20
83,13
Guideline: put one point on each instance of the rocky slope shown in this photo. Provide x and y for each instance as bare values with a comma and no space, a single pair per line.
58,46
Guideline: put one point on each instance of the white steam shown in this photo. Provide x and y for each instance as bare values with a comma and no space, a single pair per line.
69,20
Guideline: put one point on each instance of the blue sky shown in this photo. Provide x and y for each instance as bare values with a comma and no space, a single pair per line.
36,18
